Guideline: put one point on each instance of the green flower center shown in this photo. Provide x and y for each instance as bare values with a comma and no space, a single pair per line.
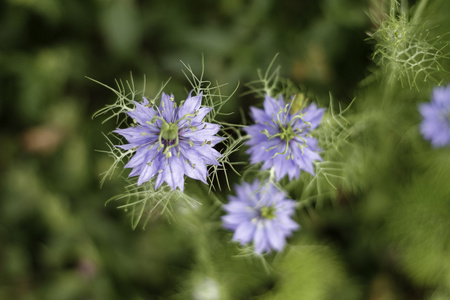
169,131
268,212
287,133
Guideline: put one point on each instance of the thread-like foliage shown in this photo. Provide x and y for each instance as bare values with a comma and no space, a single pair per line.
332,134
144,201
407,50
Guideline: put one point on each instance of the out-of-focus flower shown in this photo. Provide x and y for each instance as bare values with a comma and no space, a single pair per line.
435,125
280,137
171,141
44,139
262,214
206,289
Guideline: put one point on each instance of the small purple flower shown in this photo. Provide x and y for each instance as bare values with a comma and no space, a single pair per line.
280,137
435,126
171,141
262,214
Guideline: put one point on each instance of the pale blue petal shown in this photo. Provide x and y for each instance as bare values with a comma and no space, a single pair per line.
275,236
167,108
141,114
244,232
194,166
174,174
260,116
313,115
271,106
190,106
147,172
260,239
201,113
159,179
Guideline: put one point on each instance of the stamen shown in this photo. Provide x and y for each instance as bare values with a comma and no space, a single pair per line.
284,152
266,133
153,120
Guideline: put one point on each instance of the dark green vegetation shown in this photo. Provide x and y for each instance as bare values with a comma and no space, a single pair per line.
383,234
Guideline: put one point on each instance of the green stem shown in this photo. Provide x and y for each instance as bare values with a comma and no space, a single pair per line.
404,8
419,11
393,8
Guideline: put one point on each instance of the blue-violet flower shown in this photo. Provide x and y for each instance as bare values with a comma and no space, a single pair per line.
262,214
280,137
435,125
171,141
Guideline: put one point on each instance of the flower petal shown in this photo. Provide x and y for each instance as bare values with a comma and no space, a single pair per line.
245,217
190,156
167,108
244,232
190,106
260,239
141,113
174,174
275,236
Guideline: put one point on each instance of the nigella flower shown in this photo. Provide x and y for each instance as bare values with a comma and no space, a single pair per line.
262,214
435,125
280,137
171,141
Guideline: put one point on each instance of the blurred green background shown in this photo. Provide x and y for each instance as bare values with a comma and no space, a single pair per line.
58,240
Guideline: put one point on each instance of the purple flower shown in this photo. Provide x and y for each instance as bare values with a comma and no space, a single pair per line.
280,137
171,141
435,125
262,214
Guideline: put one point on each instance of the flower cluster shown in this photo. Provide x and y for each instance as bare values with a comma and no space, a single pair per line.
260,213
280,137
435,126
171,141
